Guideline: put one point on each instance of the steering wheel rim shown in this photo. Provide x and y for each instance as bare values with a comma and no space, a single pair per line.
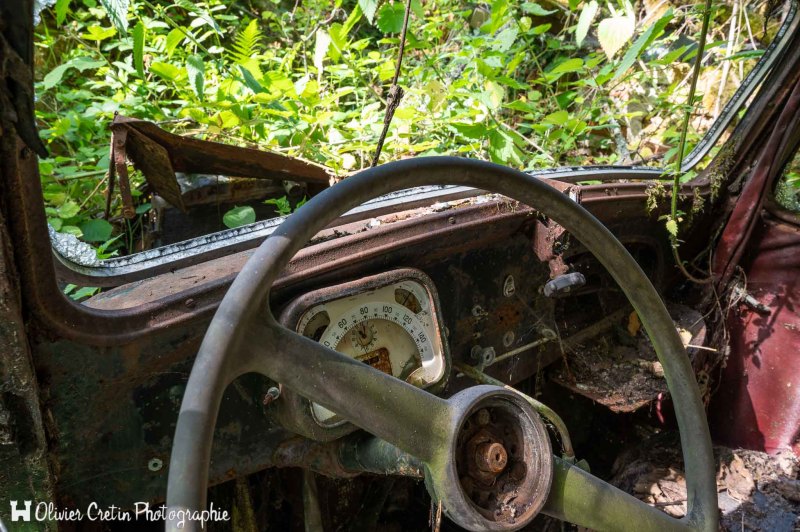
243,324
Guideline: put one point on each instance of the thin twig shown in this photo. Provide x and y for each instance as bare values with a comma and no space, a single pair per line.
395,92
676,179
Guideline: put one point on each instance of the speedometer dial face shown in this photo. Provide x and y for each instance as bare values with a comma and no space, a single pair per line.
392,328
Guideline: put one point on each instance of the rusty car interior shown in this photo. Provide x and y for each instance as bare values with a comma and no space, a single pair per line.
435,343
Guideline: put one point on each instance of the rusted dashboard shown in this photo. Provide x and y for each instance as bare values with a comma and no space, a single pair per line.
477,257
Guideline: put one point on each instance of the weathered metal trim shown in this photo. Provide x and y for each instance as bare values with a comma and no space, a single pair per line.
77,262
80,266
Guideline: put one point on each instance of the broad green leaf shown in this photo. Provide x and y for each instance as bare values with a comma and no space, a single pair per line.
645,39
588,13
96,33
166,70
390,17
437,93
570,65
62,6
522,106
493,96
338,41
72,230
143,208
559,118
228,120
416,7
56,223
502,149
282,206
96,230
321,49
174,38
138,48
532,8
614,32
471,131
68,210
239,216
117,12
196,69
541,28
54,76
351,21
672,227
368,7
505,39
86,291
250,81
512,83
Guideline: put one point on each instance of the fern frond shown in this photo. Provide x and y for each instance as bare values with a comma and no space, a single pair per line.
247,44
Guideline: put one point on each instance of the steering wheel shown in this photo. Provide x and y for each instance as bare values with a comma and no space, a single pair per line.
244,337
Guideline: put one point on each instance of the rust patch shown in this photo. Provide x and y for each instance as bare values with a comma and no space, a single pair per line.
159,154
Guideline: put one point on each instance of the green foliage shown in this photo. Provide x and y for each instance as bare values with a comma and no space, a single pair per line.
239,216
585,20
390,17
505,83
282,205
96,230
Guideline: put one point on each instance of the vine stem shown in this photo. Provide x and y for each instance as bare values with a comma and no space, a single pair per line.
395,92
676,177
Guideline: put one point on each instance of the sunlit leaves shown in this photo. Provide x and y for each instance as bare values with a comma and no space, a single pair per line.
97,33
321,49
167,71
502,148
390,17
117,13
247,46
239,216
559,118
138,48
54,77
368,7
614,32
196,68
645,39
588,13
68,210
62,6
96,230
532,8
174,38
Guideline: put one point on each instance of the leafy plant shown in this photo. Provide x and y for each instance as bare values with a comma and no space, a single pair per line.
239,216
505,82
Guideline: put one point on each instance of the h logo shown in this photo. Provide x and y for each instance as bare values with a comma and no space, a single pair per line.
17,514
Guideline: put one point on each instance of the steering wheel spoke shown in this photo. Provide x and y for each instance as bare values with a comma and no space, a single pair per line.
381,404
583,499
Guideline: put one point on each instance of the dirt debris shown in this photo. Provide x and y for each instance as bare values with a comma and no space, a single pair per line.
756,491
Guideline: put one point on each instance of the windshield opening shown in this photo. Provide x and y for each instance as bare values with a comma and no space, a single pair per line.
529,85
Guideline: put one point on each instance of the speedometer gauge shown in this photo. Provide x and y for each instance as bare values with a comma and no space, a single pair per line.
389,321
